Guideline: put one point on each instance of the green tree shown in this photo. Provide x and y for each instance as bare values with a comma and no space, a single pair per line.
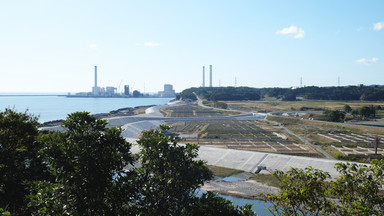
365,112
358,191
302,192
20,160
347,108
211,204
88,161
334,115
169,175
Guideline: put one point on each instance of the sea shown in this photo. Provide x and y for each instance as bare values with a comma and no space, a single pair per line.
55,107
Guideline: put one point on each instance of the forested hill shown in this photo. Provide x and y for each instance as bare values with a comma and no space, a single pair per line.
367,93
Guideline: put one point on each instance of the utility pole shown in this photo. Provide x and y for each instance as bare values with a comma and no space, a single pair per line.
376,143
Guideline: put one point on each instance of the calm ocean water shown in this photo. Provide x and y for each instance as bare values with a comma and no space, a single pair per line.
58,107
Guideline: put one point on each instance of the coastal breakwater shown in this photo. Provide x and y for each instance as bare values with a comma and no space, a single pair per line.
250,161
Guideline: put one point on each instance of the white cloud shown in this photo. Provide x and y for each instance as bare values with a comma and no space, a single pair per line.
378,26
151,44
293,31
93,46
365,61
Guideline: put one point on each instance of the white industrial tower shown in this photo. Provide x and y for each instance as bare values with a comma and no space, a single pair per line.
203,76
95,89
210,75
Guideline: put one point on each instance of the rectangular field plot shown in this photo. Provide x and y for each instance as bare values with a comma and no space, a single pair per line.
350,139
238,134
352,144
358,151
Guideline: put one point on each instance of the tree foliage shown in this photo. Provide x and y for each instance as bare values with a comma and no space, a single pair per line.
211,204
20,160
88,169
87,161
169,175
357,191
334,115
222,93
347,108
341,93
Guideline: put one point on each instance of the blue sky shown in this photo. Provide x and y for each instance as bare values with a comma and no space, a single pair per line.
52,46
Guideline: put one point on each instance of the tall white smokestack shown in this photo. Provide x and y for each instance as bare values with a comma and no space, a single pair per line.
210,75
203,76
95,89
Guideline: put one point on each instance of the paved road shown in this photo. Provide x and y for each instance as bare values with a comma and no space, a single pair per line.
200,103
303,139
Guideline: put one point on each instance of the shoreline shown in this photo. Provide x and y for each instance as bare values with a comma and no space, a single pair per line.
127,111
247,189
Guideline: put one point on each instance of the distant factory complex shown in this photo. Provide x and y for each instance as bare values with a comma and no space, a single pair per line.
111,91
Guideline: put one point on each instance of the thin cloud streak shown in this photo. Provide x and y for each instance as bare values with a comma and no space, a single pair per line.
293,31
365,61
151,44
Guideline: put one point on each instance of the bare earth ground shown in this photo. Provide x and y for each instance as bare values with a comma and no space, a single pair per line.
249,189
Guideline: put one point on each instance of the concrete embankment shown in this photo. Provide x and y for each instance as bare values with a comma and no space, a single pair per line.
252,161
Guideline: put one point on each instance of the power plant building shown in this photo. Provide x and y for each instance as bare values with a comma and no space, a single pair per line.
111,91
168,92
126,90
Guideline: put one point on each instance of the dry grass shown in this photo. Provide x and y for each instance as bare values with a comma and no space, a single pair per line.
273,105
267,179
222,171
327,125
140,111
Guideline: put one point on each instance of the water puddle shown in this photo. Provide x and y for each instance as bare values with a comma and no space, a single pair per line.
230,179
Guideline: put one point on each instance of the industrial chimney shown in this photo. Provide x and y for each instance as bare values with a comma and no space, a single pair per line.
95,89
210,75
203,76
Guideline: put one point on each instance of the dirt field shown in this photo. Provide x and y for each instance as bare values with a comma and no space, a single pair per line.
192,110
278,106
342,141
248,135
